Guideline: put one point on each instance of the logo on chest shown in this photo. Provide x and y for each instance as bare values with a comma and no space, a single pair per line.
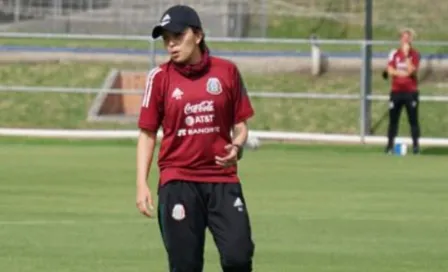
200,113
199,119
214,86
201,107
177,94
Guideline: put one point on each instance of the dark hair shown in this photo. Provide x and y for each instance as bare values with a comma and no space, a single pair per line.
202,45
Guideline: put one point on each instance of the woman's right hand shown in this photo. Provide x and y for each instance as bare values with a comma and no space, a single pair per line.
144,200
145,150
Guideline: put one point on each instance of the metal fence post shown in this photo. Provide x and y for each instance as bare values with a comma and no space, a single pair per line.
363,94
17,11
152,53
264,19
366,82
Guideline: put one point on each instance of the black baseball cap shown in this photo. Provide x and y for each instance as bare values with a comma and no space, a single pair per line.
176,19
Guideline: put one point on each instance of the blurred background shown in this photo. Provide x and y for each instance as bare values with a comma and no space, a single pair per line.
311,66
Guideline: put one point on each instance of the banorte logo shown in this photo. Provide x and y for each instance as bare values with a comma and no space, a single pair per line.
201,107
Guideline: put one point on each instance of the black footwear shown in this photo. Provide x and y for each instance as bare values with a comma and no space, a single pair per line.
388,150
416,150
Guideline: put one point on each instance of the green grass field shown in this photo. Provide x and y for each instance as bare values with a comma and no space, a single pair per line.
68,206
427,20
53,110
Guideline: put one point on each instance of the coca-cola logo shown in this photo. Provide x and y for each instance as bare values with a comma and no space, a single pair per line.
204,106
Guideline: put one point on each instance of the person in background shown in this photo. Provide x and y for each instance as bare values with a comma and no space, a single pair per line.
403,65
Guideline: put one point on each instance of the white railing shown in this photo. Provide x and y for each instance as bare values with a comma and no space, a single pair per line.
253,141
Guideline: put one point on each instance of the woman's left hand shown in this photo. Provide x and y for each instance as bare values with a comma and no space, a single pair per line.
231,157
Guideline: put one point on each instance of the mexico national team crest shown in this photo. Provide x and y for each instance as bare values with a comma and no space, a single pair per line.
178,212
214,86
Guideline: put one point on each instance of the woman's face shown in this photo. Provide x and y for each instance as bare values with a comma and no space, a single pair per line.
181,46
406,37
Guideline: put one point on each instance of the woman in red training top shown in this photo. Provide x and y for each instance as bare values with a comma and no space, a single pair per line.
402,68
199,101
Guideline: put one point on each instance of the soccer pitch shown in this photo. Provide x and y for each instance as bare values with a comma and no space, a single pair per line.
69,206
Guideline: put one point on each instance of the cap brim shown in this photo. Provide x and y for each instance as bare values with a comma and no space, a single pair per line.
171,27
